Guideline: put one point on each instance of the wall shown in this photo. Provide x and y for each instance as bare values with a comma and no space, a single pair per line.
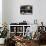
43,11
0,13
12,11
16,11
4,11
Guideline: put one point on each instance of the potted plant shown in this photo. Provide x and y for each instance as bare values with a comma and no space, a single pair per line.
3,34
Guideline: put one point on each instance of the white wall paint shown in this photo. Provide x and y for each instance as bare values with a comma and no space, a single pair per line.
4,12
43,11
12,11
0,13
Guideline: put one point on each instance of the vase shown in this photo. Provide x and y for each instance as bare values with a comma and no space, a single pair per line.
2,40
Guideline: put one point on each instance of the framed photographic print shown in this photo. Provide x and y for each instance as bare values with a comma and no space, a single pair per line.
26,9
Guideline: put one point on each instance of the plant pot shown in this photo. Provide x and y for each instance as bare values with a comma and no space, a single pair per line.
2,40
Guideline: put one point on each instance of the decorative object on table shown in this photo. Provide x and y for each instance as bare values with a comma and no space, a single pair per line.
0,33
36,35
10,42
41,28
33,33
23,23
23,42
42,37
28,33
18,37
35,21
5,31
29,37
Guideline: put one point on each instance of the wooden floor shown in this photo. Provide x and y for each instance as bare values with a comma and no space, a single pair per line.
42,45
32,45
1,45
